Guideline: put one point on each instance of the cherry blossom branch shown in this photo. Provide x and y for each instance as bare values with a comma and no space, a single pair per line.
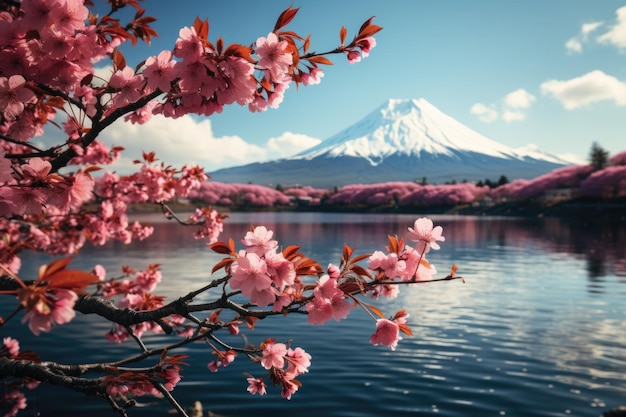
64,158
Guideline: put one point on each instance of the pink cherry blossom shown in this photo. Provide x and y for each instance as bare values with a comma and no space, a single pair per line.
387,333
366,45
273,58
288,389
10,346
14,95
425,235
280,269
129,86
299,360
256,386
249,274
259,241
16,400
55,306
159,71
389,264
189,46
274,355
328,302
69,16
313,77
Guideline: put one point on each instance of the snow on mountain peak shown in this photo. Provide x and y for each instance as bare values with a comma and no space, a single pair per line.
412,127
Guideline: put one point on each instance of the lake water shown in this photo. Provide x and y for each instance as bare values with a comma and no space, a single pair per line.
538,329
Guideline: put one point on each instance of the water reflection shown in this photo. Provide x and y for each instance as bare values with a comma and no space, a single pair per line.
537,330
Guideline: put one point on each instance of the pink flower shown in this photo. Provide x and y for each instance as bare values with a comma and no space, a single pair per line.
52,306
16,400
289,388
313,77
69,16
328,302
189,45
11,346
282,271
171,376
273,58
425,235
387,333
129,86
299,360
389,264
256,386
366,45
159,71
249,272
274,355
14,95
259,241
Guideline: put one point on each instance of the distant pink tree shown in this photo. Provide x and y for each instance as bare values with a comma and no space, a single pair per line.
378,194
569,176
608,182
224,194
445,194
618,159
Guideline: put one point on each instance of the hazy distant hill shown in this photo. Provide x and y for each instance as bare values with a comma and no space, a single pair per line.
402,140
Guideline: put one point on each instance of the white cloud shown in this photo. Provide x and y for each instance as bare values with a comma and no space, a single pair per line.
289,144
519,99
586,89
513,116
575,44
616,36
485,113
190,141
510,109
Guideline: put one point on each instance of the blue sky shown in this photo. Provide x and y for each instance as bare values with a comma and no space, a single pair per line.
549,73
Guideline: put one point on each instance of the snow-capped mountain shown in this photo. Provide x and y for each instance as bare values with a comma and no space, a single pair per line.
402,140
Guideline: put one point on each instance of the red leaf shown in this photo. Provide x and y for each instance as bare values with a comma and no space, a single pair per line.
119,62
371,30
306,44
320,60
201,27
405,329
222,264
285,17
53,267
376,311
360,271
220,45
342,34
220,247
71,279
290,250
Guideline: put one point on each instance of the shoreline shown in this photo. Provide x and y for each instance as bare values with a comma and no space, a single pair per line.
614,209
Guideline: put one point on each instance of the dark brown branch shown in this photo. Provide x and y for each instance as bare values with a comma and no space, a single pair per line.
98,126
40,372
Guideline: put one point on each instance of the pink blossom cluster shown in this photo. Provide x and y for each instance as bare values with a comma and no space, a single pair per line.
135,384
284,365
134,291
388,331
262,273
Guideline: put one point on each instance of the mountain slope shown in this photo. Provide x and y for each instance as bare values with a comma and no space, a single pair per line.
402,140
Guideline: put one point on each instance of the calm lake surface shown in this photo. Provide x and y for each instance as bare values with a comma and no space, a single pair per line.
538,329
